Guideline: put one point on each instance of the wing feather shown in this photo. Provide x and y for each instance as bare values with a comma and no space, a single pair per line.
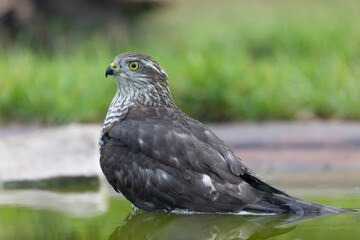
170,160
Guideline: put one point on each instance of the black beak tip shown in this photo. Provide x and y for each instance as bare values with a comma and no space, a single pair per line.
109,71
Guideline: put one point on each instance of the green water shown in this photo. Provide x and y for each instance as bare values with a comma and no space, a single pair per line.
92,215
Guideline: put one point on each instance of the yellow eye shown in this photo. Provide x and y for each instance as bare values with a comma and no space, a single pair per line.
133,65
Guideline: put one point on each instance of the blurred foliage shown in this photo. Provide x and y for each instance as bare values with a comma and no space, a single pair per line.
226,60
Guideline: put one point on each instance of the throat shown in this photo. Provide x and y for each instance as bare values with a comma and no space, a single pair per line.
118,108
126,97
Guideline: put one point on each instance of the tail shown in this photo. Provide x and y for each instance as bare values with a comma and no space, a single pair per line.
273,200
283,203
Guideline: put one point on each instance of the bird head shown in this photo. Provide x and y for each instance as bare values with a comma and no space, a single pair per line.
136,68
138,74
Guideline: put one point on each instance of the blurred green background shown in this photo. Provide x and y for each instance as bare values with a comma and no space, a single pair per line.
226,60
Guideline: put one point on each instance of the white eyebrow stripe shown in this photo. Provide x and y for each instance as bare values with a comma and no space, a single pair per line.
163,72
150,64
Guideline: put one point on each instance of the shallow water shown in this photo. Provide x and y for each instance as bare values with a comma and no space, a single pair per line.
38,214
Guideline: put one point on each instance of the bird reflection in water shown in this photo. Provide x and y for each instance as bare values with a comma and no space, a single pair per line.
146,225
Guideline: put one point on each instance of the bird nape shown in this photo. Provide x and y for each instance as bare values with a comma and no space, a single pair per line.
162,160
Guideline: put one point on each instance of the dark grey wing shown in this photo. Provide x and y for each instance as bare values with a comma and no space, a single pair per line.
170,137
162,159
154,186
234,163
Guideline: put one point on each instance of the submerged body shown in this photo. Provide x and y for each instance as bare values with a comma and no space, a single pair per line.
162,160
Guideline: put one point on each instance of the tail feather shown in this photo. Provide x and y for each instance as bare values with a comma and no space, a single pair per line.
280,203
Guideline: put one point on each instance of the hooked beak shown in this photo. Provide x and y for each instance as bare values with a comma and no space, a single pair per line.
111,69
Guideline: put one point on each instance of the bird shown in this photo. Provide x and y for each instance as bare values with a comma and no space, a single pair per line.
162,160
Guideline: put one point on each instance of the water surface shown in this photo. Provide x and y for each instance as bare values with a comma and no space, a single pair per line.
38,214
